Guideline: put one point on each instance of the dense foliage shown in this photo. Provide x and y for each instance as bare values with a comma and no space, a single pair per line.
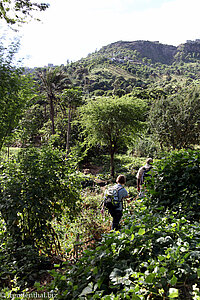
39,185
156,254
48,216
120,67
113,122
176,184
35,189
15,92
153,256
175,120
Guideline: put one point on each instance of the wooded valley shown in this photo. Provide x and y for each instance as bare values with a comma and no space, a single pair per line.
66,133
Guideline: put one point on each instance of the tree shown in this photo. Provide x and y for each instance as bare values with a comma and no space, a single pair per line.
70,99
18,10
31,124
53,82
175,120
14,93
112,122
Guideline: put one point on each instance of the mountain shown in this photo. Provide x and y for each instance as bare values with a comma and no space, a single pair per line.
157,52
154,51
189,51
120,67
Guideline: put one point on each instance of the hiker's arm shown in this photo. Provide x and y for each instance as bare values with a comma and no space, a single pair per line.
127,198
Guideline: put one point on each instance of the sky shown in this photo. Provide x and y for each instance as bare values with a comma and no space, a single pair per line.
71,29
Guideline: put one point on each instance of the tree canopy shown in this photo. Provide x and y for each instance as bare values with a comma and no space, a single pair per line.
53,82
175,120
112,121
18,10
14,93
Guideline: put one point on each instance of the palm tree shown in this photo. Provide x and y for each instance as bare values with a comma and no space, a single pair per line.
53,82
70,99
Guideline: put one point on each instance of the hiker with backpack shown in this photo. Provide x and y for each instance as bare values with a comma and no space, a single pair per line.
142,174
113,201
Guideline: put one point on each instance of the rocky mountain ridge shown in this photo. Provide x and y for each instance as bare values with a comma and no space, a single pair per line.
156,51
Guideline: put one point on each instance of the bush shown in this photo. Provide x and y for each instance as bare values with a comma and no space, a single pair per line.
153,256
146,147
176,183
35,188
99,92
156,254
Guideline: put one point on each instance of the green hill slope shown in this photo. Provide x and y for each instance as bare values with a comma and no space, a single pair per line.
121,66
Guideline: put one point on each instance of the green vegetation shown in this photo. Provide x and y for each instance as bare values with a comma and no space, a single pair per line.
155,254
112,122
35,188
176,185
20,10
175,119
15,92
122,66
66,133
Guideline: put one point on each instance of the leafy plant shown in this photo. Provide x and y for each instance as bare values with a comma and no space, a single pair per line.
14,92
175,183
112,122
21,9
175,120
156,254
153,256
35,189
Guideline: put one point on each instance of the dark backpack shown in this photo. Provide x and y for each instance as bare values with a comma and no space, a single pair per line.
145,174
111,198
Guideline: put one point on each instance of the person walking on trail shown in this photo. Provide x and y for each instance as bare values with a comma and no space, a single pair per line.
142,173
116,211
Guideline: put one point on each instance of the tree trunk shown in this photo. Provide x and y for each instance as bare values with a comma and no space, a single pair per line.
112,166
68,130
52,114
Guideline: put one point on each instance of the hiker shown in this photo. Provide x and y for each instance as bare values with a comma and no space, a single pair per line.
116,211
142,173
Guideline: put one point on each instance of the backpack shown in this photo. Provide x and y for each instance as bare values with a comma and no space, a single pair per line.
111,198
145,174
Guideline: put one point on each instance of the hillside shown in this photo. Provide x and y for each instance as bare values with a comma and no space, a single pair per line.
154,51
121,66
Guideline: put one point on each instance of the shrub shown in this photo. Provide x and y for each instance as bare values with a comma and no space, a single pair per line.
146,146
35,189
99,92
156,254
152,256
176,183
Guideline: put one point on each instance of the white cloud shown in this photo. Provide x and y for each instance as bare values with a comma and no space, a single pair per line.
72,29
